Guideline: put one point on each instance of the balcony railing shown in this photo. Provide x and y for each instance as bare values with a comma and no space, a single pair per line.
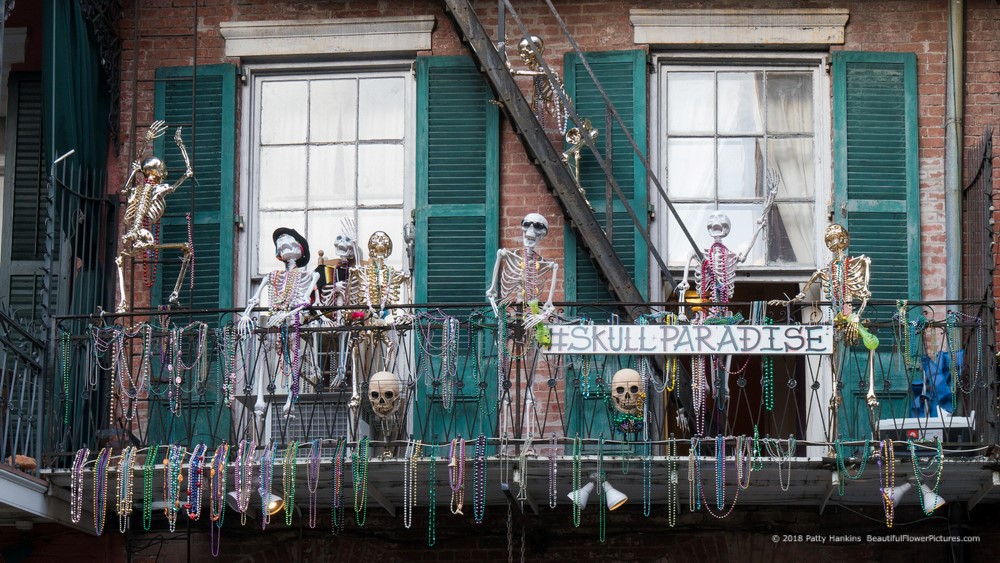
22,391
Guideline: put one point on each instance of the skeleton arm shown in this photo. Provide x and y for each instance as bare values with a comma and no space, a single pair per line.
761,222
818,274
864,293
491,292
246,322
188,172
684,285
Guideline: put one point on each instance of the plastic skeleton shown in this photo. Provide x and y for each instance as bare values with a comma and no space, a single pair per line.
146,194
517,276
545,93
337,272
377,284
288,293
715,282
844,280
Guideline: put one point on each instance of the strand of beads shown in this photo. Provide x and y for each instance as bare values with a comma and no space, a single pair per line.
126,480
887,480
289,467
673,499
694,475
432,500
266,475
196,478
919,476
577,453
243,475
767,375
743,458
359,468
172,478
217,496
479,481
756,459
774,448
601,500
101,490
842,465
552,470
190,243
698,393
227,363
313,479
65,347
720,482
337,520
76,485
148,469
410,482
647,478
456,475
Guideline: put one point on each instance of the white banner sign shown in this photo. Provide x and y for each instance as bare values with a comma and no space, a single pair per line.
691,339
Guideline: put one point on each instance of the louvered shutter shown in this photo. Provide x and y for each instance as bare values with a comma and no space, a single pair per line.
456,217
204,105
622,75
876,176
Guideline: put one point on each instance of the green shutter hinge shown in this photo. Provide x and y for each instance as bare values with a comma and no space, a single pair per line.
651,210
238,220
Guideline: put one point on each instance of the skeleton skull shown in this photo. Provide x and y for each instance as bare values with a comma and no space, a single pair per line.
837,238
626,388
534,226
718,225
384,392
527,56
379,245
154,169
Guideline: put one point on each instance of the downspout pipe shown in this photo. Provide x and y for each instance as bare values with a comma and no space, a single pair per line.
953,131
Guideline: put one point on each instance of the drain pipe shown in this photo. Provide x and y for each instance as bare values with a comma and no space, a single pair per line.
953,132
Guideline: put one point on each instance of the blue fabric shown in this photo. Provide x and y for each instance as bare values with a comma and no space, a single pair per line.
934,389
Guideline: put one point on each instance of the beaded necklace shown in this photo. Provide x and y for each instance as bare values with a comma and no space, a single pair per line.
647,477
227,338
64,347
153,253
279,296
148,469
379,275
125,484
552,470
767,375
602,534
694,476
101,489
887,480
196,478
774,448
410,482
456,475
173,477
243,475
919,475
289,467
720,482
190,242
577,452
76,485
448,354
842,465
130,386
432,500
743,458
479,481
266,475
337,521
673,499
953,334
756,459
359,468
217,496
177,367
698,393
315,456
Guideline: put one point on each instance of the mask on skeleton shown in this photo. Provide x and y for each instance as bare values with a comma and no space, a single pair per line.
535,227
718,225
625,388
384,393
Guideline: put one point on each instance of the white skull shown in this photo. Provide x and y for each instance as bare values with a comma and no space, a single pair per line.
534,226
626,388
384,391
346,244
718,225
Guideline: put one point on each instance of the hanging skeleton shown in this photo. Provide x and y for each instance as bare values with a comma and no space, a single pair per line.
715,277
546,94
146,192
518,276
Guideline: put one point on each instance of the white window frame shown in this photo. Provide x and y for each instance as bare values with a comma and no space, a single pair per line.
822,108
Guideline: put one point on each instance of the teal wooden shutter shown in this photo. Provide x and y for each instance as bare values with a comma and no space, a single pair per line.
204,103
456,219
876,179
622,75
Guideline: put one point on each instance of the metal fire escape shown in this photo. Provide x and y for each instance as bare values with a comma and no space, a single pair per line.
549,160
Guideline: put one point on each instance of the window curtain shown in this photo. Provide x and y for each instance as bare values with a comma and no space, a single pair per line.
793,166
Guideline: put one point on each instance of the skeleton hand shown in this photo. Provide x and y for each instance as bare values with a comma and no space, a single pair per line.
245,326
493,302
681,288
156,130
785,303
682,421
531,320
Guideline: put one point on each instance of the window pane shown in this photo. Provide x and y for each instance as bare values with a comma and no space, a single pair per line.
793,160
690,102
740,104
695,218
283,113
324,226
743,218
789,102
388,220
380,174
739,168
380,112
269,221
791,234
282,183
331,176
333,116
690,168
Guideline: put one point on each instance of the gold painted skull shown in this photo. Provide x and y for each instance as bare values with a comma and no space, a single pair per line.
379,245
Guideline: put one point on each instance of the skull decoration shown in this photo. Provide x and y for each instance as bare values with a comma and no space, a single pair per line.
527,55
384,390
837,238
718,225
534,227
626,391
346,244
379,245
